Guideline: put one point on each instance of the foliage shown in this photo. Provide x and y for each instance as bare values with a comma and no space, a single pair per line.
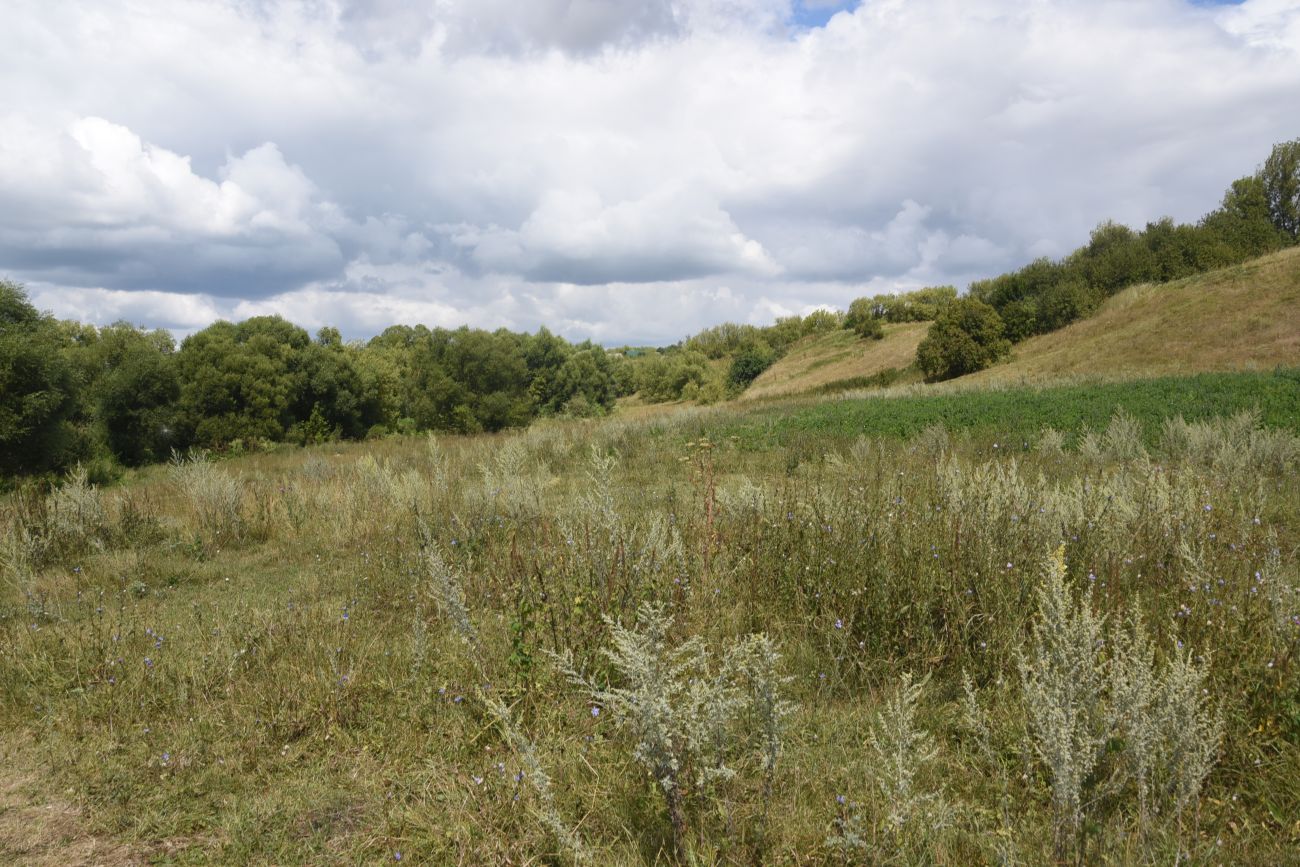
749,363
118,392
1257,216
967,336
37,389
682,708
1281,181
1102,716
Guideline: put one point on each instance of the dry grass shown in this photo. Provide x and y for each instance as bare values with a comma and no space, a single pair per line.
37,830
1243,317
824,358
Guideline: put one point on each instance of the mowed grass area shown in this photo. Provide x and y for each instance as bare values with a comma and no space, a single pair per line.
355,653
821,360
1241,317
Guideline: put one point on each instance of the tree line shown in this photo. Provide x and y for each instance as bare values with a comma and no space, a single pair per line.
72,393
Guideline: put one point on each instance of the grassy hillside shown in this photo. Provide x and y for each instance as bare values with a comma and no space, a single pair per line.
1243,317
1246,317
820,360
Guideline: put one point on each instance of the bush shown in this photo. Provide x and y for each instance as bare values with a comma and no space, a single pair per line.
749,363
967,336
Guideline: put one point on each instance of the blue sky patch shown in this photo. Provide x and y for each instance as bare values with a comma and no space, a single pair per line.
815,13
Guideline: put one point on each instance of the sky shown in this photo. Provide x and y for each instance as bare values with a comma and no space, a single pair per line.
628,171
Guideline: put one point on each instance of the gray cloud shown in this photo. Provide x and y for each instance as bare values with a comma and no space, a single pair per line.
612,168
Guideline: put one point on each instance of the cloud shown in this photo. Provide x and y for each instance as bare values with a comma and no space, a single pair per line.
617,169
574,236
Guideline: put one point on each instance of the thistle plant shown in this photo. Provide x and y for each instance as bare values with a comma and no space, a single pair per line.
901,751
447,591
1122,440
1051,443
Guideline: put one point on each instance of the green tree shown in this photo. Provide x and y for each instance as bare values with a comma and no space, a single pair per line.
137,404
862,319
1243,222
38,392
749,363
820,321
1281,178
331,393
1114,257
544,355
587,374
967,336
241,381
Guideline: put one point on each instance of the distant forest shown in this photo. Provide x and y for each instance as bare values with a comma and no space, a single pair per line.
122,396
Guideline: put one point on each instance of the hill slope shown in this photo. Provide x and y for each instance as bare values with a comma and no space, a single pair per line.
820,359
1243,317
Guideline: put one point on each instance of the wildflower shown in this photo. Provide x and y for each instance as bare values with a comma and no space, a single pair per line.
595,711
839,624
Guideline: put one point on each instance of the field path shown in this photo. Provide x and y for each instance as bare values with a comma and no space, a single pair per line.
37,830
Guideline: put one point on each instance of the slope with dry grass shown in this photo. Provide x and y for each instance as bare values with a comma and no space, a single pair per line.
1243,317
821,359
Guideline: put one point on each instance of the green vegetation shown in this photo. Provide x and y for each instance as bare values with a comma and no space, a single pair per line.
1015,416
73,393
922,305
965,338
711,636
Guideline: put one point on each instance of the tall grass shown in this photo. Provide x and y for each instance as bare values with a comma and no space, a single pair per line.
779,650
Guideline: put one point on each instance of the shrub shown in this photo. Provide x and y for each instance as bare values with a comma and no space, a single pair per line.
749,363
1104,718
967,336
684,710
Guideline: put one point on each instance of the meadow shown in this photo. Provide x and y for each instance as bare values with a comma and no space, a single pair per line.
1063,628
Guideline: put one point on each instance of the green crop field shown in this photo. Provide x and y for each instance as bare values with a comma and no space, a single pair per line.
1019,414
